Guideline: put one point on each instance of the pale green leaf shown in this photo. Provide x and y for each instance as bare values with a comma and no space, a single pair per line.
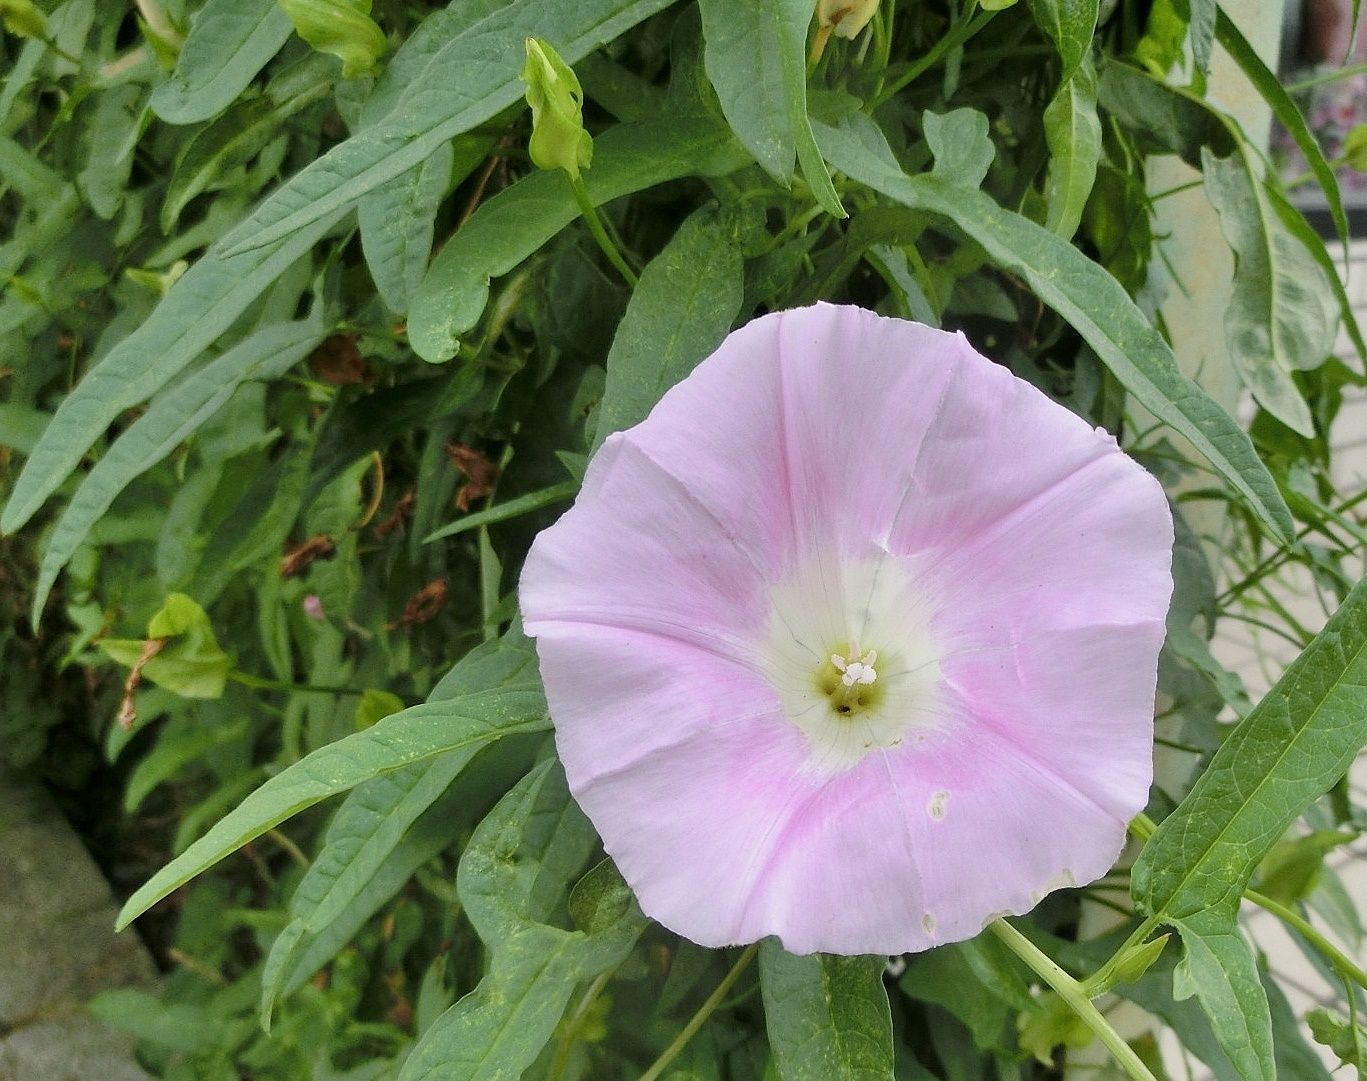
685,303
229,42
1281,316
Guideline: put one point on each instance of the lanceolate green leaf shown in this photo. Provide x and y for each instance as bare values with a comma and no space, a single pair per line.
755,56
828,1017
461,724
229,42
1287,112
1084,294
173,416
1295,744
687,299
1281,316
1288,751
375,818
199,307
473,76
1073,132
515,223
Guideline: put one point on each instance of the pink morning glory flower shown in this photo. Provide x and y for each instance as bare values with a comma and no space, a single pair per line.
854,640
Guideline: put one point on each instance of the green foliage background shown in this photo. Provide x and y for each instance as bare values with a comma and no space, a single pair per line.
301,350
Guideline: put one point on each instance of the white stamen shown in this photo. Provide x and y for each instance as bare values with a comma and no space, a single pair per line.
856,672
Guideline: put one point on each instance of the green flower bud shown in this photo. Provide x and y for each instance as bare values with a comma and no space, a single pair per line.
22,19
558,140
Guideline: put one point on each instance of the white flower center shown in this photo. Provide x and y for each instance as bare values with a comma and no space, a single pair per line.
849,700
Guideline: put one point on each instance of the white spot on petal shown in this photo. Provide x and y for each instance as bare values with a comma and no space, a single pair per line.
928,922
936,807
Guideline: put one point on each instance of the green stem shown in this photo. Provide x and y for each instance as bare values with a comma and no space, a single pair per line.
260,684
1327,77
1072,993
959,33
704,1012
595,224
1289,916
575,1023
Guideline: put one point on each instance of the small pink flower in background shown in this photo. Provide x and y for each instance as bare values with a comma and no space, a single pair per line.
854,640
313,606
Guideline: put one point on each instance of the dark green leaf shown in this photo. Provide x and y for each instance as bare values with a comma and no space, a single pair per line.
683,307
827,1016
518,221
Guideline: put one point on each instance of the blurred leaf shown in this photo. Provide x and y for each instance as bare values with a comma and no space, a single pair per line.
462,723
756,58
827,1016
175,750
518,221
229,42
1089,298
342,28
113,137
1346,1040
1291,869
1280,318
173,416
685,303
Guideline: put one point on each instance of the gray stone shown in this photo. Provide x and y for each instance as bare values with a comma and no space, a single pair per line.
57,949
